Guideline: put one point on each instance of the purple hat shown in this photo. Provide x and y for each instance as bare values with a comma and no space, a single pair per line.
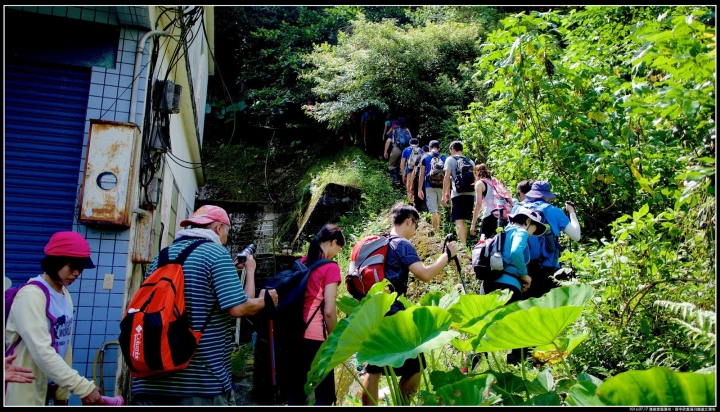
540,190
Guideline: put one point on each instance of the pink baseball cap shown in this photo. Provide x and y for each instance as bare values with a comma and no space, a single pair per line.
70,244
207,214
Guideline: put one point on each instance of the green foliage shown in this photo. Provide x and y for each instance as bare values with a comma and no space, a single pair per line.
658,386
239,358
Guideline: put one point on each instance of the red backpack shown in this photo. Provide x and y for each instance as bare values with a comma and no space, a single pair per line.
367,264
156,337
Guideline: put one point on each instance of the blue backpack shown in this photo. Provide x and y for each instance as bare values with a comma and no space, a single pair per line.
401,138
550,247
10,298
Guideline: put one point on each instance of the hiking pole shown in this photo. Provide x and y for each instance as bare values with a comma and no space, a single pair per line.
449,238
270,307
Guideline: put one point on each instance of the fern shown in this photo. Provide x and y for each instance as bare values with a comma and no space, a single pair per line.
699,323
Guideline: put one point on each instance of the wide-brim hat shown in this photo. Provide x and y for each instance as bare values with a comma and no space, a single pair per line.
535,217
207,214
540,190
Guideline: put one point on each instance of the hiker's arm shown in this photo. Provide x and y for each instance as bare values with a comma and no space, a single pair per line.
426,273
252,305
479,188
517,250
403,162
421,181
446,185
387,145
572,229
330,311
249,267
31,322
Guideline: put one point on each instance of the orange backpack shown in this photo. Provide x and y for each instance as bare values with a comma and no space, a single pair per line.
367,264
156,337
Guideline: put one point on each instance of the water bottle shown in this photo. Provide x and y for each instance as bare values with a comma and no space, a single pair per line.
113,400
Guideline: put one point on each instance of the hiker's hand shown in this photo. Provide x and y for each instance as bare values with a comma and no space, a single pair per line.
249,264
93,398
570,206
526,283
452,247
268,296
472,230
386,155
16,373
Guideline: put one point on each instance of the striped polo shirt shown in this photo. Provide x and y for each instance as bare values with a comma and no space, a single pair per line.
210,279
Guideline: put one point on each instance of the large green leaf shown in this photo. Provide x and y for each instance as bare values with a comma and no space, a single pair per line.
471,308
348,336
438,379
545,399
405,335
573,295
471,391
583,394
532,327
658,386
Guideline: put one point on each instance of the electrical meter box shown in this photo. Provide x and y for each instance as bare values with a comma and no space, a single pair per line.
106,193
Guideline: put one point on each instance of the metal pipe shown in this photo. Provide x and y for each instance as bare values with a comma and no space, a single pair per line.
136,70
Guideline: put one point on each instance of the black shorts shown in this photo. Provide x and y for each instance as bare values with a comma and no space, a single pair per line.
408,369
462,207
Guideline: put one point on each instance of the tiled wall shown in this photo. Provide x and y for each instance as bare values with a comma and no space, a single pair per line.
99,14
98,311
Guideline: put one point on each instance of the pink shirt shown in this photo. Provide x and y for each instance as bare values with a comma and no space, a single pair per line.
319,278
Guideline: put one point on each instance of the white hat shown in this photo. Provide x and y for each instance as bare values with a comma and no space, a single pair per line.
534,216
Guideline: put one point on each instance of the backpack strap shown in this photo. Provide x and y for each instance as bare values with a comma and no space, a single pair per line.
316,264
52,318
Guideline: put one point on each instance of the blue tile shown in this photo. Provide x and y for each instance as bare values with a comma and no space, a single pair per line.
94,242
30,9
93,233
73,12
96,342
84,315
123,107
101,17
106,259
59,11
108,234
94,102
110,91
116,300
120,261
128,57
82,327
81,342
113,327
87,14
45,10
107,246
126,69
99,315
112,80
85,300
74,288
87,285
107,104
123,235
97,79
101,299
125,82
98,327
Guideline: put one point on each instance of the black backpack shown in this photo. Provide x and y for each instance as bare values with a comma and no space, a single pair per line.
464,176
485,256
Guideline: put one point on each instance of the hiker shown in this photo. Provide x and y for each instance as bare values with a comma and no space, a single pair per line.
320,298
214,296
432,176
540,197
410,154
399,140
462,199
484,200
48,355
524,224
16,373
413,184
523,187
401,260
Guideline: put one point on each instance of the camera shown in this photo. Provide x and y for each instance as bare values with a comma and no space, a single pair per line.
242,256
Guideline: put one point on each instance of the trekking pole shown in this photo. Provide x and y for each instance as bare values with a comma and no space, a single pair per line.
449,238
270,307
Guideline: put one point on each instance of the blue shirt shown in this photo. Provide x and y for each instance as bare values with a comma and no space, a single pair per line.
401,255
533,242
212,285
558,221
406,155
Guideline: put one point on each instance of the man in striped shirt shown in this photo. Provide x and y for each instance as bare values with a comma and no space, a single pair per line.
212,288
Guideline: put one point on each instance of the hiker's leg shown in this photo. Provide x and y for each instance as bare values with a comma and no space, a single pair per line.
409,386
298,371
410,376
462,207
461,230
325,391
370,383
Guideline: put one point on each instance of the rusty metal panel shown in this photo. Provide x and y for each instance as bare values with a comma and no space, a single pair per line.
109,173
145,233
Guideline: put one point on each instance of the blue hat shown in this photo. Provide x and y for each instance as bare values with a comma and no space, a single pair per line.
540,190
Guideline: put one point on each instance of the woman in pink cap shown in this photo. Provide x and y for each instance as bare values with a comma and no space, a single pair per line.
38,329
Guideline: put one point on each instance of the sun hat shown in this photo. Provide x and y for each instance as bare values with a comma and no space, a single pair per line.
70,244
207,214
540,189
534,216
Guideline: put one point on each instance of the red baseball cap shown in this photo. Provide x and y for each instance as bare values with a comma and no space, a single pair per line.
207,214
70,244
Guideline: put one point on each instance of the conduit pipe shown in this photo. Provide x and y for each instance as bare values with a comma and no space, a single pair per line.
136,71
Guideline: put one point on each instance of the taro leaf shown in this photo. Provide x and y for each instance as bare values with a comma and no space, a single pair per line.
532,327
348,336
347,304
463,345
543,383
508,382
438,379
431,299
565,343
658,386
471,391
546,399
583,394
563,385
405,335
588,377
474,307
